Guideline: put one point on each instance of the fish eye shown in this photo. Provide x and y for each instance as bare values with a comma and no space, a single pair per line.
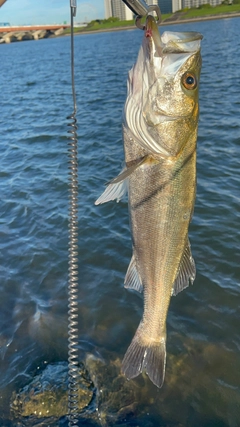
189,81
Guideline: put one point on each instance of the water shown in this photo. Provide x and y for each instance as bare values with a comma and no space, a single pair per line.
203,365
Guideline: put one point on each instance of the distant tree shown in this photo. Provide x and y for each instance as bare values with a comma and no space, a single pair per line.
95,22
205,6
112,19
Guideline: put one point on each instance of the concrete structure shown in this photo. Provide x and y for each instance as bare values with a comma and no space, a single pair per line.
14,34
150,2
196,3
32,28
171,6
108,8
121,11
118,9
176,5
154,2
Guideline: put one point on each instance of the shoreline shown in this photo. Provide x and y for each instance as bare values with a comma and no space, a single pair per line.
170,22
175,19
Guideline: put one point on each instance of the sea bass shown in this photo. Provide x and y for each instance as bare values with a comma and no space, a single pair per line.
160,124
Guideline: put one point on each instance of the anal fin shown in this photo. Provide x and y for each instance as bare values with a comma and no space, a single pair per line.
132,278
186,271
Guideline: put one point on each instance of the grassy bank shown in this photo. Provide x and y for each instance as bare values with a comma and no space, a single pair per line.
203,11
206,10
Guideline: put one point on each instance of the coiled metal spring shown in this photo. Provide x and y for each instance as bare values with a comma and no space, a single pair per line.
73,275
73,368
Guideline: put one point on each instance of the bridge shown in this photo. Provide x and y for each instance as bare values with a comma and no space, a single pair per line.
25,28
9,34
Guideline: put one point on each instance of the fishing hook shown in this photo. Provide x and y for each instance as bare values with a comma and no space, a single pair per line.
141,9
154,8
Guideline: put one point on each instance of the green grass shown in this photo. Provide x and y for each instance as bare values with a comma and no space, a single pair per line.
167,15
96,26
211,10
107,25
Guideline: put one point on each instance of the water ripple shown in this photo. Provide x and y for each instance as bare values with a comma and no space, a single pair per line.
36,98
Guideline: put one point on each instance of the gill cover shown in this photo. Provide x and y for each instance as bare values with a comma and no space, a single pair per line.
156,95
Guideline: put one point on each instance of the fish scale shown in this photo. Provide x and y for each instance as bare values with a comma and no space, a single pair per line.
160,239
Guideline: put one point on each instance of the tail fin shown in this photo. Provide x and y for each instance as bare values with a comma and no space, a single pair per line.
151,357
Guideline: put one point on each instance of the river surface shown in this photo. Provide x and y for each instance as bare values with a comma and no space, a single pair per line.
202,384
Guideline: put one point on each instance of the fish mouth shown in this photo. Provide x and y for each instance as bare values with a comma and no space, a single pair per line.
153,36
170,42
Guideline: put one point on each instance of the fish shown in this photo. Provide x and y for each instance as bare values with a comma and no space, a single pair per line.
160,124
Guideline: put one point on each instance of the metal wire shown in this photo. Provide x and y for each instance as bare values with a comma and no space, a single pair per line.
138,7
73,367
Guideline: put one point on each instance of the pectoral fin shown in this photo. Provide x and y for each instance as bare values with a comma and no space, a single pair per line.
117,187
113,191
186,272
128,171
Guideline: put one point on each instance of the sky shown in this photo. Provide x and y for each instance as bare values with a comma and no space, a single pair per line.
27,12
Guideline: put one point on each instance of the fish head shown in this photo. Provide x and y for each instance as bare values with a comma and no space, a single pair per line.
162,105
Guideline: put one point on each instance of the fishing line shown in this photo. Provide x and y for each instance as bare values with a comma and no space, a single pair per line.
73,367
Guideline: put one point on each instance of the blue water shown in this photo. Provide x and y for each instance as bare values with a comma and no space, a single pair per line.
203,366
